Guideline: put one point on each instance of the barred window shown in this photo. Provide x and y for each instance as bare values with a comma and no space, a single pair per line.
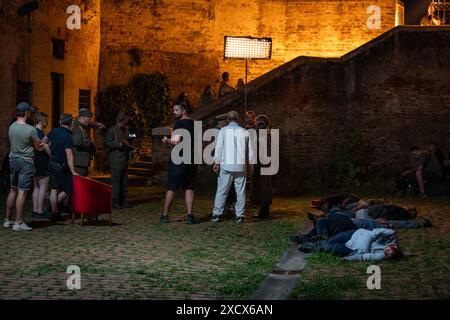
24,92
84,99
440,11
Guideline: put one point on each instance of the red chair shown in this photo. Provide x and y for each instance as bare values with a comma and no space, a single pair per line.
91,197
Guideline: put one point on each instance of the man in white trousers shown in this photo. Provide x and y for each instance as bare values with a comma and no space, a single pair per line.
233,150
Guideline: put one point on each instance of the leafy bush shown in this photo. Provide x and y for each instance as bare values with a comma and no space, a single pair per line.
145,100
348,162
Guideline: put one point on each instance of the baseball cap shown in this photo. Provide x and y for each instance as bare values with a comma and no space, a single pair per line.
66,119
23,106
85,113
221,117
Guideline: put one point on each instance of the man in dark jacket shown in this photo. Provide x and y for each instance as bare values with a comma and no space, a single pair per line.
261,185
83,146
117,141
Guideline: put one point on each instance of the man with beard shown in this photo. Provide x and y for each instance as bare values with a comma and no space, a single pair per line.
184,174
83,146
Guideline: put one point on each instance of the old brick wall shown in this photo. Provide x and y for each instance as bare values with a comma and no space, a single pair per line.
401,95
12,33
184,38
80,66
393,93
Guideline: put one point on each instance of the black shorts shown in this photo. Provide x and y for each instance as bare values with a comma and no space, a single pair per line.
183,175
60,178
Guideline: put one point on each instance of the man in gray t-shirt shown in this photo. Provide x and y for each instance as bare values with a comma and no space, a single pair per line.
23,139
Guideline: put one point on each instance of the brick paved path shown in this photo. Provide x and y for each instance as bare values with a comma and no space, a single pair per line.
138,258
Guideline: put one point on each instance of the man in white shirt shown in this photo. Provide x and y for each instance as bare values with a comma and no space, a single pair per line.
233,150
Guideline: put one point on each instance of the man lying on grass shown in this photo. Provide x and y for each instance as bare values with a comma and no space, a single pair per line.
359,245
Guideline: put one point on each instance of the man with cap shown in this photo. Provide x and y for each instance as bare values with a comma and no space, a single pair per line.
83,147
61,165
23,139
117,141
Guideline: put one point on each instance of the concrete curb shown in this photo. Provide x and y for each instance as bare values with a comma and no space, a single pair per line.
281,281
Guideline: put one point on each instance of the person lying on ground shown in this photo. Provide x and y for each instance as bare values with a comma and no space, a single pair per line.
336,222
351,208
325,204
359,245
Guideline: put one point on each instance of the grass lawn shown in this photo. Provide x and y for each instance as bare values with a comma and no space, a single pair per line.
138,258
423,273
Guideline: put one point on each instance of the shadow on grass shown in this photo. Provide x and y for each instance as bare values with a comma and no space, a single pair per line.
45,224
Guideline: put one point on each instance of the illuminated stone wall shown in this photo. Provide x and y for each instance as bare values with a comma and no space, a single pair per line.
80,66
184,38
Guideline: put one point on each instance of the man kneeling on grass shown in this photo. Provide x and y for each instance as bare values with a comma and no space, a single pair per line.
359,245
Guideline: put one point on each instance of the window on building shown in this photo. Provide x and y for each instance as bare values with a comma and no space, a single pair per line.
440,11
58,48
24,92
84,99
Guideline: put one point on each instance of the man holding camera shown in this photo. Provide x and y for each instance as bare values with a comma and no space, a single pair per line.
117,141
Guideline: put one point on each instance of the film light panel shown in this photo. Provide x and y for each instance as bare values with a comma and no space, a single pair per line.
247,48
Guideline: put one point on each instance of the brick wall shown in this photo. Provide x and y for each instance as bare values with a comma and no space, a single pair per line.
80,66
392,92
184,38
12,32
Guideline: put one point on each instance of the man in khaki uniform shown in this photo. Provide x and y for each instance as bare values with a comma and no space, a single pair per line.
116,140
83,146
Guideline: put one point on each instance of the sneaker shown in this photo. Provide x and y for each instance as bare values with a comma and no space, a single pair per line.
191,219
43,216
297,239
305,249
21,227
216,218
311,217
427,223
115,205
239,219
164,219
423,195
8,223
126,205
34,214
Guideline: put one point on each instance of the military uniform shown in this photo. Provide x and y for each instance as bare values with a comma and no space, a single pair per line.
118,162
83,148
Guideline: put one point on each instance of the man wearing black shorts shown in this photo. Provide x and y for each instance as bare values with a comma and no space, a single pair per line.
181,175
61,165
